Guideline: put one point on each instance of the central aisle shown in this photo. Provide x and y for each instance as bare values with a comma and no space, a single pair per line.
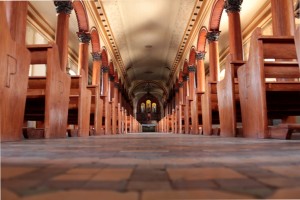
150,166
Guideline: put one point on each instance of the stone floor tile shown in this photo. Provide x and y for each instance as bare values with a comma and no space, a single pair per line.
280,182
288,170
8,195
191,194
112,174
259,192
239,183
106,185
148,185
83,171
143,175
84,194
194,184
10,172
72,177
203,173
287,193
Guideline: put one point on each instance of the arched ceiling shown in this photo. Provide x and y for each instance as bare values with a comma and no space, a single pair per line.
148,35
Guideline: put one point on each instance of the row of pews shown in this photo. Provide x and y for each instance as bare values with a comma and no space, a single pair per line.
60,104
253,93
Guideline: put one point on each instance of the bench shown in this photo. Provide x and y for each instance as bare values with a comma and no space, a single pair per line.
262,100
210,112
47,96
228,99
80,105
14,65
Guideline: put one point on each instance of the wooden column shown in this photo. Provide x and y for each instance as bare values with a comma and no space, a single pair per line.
186,103
83,58
235,32
214,65
63,9
105,85
115,104
200,56
283,20
192,84
97,62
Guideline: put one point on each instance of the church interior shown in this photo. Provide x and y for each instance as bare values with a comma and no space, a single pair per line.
150,100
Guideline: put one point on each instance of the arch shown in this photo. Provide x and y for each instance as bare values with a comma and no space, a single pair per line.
186,68
216,14
111,68
116,80
153,82
192,57
104,57
81,15
201,43
96,47
180,79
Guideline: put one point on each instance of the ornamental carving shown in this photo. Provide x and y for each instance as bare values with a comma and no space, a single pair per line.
96,56
180,85
84,37
233,5
63,7
104,69
116,85
111,78
213,36
200,55
192,68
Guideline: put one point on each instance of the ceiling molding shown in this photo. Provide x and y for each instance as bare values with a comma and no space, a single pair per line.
99,16
202,7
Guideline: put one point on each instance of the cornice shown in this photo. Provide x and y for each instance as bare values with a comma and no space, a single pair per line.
99,17
202,8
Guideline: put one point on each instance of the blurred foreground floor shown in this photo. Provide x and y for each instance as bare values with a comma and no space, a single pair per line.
150,167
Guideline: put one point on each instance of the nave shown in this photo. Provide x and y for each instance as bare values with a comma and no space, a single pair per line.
150,166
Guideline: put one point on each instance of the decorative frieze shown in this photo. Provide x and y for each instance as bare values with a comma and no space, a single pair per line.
84,37
63,7
233,5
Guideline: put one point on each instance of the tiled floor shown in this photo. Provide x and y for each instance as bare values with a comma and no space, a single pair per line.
150,167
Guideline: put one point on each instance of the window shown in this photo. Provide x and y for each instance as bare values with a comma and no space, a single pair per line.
154,107
142,107
148,106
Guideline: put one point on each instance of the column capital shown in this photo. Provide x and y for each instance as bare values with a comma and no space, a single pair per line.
180,84
63,7
96,56
200,55
192,68
84,37
185,78
233,5
111,78
105,69
213,36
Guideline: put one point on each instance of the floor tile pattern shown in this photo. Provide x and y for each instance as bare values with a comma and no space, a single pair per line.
150,166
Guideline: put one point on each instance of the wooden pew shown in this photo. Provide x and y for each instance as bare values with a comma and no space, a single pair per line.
96,112
228,97
47,96
261,100
79,105
14,65
210,111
